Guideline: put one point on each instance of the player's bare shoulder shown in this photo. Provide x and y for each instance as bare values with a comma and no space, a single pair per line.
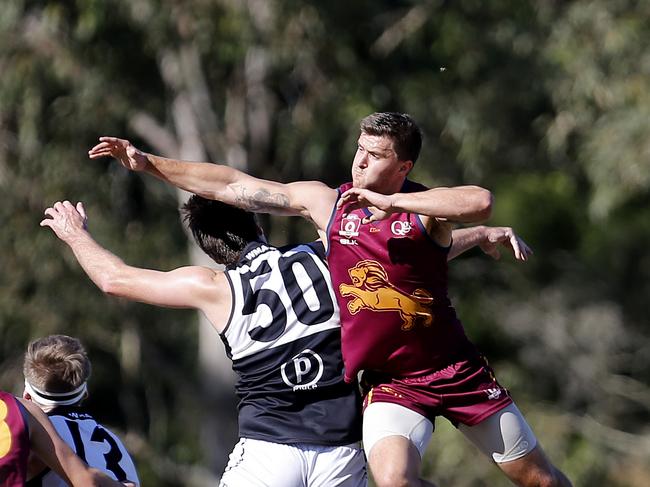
218,299
315,201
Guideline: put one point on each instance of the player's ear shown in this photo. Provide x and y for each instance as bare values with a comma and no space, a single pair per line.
405,167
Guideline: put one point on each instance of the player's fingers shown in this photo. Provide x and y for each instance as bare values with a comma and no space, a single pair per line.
513,243
346,199
96,151
51,212
81,210
100,146
108,149
97,155
46,222
68,206
343,200
110,139
526,248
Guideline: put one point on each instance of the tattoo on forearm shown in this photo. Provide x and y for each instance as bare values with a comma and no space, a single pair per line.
260,199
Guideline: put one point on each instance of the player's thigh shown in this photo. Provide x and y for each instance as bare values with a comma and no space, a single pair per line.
256,463
395,439
504,436
340,466
382,420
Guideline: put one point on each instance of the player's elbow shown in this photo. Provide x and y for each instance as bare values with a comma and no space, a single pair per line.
112,284
109,287
483,201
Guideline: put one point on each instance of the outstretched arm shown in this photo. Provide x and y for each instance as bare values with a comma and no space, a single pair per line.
185,287
489,239
51,449
467,204
311,199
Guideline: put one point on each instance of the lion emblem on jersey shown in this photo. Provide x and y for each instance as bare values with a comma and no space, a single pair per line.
372,290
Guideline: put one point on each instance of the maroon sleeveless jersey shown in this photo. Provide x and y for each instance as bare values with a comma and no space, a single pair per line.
14,442
390,279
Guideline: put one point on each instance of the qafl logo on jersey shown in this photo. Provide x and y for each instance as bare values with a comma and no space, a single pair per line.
400,228
350,224
303,371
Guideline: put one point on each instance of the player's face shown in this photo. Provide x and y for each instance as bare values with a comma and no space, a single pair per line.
376,165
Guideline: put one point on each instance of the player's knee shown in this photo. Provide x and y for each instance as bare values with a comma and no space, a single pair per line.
550,478
387,474
392,479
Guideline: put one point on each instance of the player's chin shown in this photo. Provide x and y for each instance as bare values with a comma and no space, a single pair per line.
360,183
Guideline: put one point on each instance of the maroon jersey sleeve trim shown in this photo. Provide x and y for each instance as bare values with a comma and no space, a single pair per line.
331,221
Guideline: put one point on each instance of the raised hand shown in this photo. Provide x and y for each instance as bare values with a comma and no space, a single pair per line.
122,150
379,205
65,219
506,237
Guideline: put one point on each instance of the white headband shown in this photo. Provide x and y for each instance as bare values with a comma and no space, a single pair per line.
56,398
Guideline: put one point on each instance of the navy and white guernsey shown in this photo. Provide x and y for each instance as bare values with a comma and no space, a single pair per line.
96,445
284,339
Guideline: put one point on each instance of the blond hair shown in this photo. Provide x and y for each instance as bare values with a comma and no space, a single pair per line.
56,364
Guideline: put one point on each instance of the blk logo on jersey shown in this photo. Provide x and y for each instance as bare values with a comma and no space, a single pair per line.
372,290
303,371
400,228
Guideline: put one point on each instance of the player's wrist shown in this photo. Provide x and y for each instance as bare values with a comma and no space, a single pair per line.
76,236
394,203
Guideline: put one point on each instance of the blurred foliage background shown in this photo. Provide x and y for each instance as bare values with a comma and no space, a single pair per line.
547,103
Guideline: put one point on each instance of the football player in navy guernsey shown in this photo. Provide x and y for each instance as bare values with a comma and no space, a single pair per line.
56,370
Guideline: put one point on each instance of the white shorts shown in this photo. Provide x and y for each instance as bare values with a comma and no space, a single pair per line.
256,463
504,436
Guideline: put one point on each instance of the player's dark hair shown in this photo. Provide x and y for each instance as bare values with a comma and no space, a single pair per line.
400,127
222,231
56,363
